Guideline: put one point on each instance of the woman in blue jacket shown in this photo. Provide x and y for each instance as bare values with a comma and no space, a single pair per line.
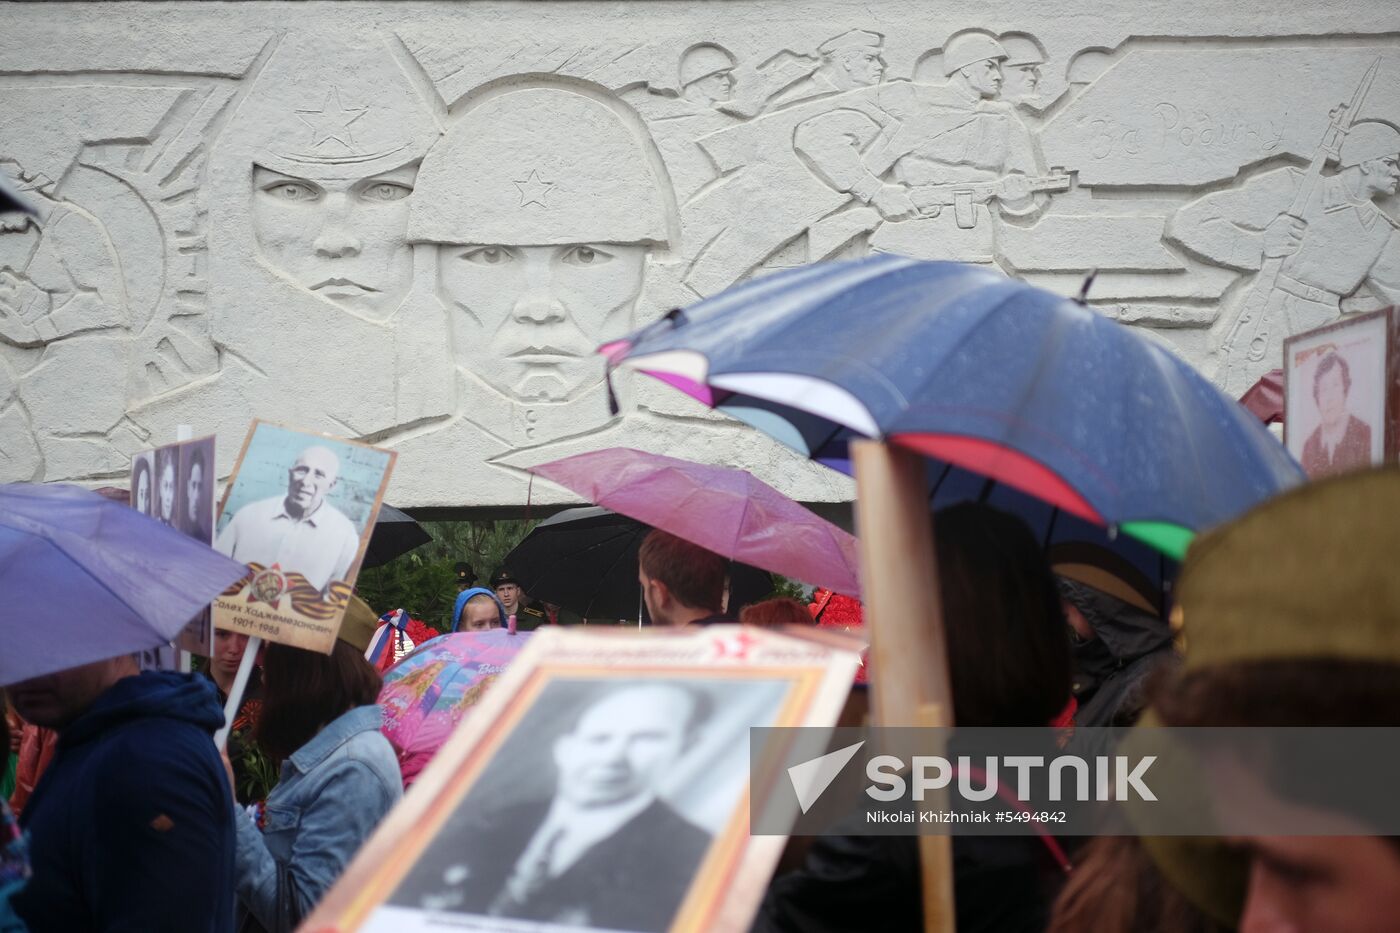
339,777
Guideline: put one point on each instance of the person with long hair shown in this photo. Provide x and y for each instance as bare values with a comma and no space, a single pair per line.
141,497
339,775
1009,664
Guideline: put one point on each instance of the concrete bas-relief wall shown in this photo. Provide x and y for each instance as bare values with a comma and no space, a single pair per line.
412,223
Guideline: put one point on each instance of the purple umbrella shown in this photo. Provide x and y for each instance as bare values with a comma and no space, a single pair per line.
719,508
84,578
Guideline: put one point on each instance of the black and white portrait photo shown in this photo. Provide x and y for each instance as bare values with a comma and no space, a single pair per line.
597,811
175,484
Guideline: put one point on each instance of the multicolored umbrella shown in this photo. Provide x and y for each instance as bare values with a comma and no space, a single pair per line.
722,509
984,375
426,694
83,578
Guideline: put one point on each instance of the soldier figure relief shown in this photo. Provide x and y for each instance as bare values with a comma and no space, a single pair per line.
418,232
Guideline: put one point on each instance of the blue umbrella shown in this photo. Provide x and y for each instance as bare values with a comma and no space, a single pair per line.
993,380
84,578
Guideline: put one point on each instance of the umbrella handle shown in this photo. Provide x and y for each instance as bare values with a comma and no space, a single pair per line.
235,695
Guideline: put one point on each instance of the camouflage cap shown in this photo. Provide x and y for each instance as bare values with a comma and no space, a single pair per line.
1308,574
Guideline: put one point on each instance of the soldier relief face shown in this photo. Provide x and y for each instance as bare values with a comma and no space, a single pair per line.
1020,81
341,236
533,315
984,77
865,67
1381,176
716,88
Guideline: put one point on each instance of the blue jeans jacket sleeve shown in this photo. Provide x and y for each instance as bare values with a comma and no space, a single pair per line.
325,824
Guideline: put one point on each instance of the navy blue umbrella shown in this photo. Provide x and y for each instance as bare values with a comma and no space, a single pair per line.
996,382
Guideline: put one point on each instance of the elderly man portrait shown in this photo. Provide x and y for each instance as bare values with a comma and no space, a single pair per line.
299,531
605,849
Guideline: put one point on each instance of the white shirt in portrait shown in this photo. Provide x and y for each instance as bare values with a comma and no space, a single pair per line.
320,546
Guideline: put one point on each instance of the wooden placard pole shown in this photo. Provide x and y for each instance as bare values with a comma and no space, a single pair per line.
903,611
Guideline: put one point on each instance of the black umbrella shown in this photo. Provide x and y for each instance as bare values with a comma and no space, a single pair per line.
395,533
585,560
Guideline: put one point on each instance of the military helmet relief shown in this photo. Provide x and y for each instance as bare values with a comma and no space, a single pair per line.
416,234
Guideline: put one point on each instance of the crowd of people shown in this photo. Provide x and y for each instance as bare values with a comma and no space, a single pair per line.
1290,616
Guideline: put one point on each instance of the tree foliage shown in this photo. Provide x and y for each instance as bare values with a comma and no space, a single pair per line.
423,581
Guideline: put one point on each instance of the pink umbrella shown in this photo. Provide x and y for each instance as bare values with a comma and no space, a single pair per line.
719,508
427,693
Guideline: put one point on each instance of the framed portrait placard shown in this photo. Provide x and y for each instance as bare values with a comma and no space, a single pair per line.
299,511
175,485
603,784
1342,394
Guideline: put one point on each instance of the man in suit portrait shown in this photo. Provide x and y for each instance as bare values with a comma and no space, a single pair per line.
1341,441
605,850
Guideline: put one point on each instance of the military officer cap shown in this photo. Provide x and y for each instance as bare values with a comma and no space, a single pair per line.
1370,139
968,48
539,166
464,571
1021,49
704,60
501,576
854,39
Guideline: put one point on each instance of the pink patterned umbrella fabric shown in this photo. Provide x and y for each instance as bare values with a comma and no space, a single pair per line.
722,509
426,694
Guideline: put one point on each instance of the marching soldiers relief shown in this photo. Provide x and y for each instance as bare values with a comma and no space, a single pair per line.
984,146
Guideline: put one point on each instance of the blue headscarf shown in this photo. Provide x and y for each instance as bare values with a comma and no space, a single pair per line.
465,595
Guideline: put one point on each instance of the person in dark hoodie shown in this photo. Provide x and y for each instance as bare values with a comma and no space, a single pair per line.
131,826
1118,635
